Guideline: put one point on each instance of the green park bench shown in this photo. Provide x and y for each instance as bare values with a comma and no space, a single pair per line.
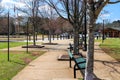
80,63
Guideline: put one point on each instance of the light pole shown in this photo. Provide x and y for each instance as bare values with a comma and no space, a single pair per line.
27,35
85,30
103,17
8,38
103,32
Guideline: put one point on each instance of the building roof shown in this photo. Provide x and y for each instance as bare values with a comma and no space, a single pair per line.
114,28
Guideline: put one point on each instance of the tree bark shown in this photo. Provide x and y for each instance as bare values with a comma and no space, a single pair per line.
76,41
90,54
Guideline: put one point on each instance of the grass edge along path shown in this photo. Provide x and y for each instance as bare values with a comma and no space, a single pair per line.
111,46
18,60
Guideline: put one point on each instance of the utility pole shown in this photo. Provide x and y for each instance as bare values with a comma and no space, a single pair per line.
103,33
8,38
85,30
27,36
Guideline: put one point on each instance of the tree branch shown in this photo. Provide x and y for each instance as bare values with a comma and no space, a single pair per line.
98,10
113,2
51,4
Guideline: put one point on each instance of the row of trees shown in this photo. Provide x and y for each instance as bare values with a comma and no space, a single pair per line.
75,10
18,26
40,17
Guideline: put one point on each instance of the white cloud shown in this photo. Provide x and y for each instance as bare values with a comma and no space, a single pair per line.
8,4
48,11
105,15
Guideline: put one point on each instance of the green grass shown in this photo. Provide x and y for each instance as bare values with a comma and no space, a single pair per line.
12,44
18,60
112,47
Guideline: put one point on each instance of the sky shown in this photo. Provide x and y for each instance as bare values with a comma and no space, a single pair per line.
113,10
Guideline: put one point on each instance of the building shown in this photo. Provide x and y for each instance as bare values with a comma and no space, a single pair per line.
112,32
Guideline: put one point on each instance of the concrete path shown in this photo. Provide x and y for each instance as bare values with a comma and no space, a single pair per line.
47,67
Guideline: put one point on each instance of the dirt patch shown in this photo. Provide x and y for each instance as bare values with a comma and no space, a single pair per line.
35,54
26,60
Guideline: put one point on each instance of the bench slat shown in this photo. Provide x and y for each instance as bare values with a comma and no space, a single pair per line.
80,59
82,65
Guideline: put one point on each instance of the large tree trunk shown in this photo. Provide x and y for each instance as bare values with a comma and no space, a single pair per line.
76,41
90,54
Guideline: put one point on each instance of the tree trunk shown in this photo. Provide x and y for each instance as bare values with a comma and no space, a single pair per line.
42,36
50,36
76,41
36,36
90,54
34,41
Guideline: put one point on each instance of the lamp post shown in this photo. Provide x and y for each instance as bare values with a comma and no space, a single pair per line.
85,30
27,36
103,17
103,32
8,38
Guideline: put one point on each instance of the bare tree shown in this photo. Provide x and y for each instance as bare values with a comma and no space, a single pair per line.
94,7
63,25
31,9
50,24
72,11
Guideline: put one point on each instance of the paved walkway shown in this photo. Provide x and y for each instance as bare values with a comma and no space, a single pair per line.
47,67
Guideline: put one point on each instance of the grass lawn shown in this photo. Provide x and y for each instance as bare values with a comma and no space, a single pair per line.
112,47
18,60
12,44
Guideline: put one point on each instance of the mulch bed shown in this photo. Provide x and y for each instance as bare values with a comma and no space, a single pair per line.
33,46
50,43
63,58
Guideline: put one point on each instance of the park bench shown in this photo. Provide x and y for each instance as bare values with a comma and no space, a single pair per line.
80,64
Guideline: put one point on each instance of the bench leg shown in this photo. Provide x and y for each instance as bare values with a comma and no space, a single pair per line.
74,72
70,63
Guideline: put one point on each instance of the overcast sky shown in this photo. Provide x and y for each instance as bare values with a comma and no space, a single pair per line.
113,11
